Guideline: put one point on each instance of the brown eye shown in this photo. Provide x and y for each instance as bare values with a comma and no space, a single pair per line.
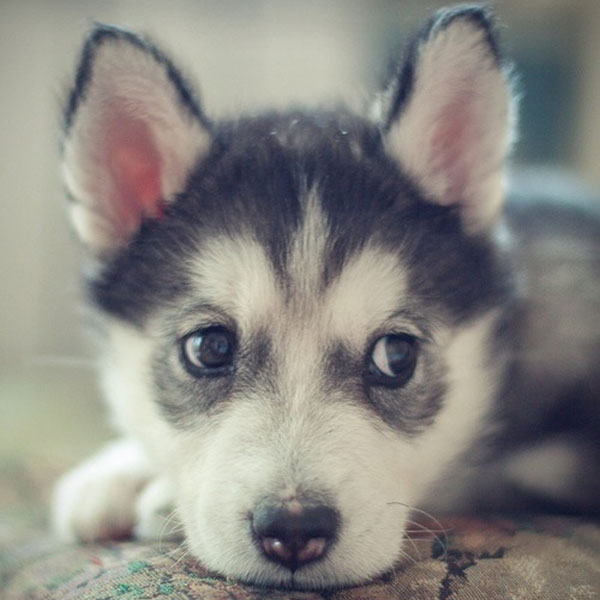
208,352
392,360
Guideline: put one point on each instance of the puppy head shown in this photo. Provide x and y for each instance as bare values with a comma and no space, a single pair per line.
299,308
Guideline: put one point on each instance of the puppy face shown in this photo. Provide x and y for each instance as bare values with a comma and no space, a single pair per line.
298,414
298,327
343,379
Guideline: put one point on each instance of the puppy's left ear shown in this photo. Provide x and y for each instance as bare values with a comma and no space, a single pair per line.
448,116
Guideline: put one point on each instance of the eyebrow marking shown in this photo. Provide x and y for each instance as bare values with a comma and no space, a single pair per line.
366,293
236,275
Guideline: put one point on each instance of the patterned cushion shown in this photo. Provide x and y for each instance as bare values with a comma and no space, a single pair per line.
537,557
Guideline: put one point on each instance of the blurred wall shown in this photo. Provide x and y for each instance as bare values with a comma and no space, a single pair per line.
244,54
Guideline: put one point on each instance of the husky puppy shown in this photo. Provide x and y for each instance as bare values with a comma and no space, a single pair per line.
313,323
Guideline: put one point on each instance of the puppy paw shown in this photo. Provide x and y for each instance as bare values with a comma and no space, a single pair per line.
97,499
156,518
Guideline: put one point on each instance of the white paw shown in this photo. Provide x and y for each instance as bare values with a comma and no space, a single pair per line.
97,499
156,518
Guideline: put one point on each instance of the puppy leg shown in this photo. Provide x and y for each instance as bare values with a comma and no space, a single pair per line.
97,499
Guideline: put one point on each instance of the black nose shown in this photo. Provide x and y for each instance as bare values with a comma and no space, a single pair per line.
295,535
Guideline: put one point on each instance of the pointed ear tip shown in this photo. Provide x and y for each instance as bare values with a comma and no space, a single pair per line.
102,29
479,16
96,37
100,33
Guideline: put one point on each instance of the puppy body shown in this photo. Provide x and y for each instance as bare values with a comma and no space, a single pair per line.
314,323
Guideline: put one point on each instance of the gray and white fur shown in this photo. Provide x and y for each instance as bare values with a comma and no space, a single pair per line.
315,323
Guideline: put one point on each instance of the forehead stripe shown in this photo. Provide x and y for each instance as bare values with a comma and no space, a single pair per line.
307,252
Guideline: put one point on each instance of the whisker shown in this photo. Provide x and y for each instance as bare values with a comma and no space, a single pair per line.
173,523
405,555
186,552
422,528
180,552
427,535
413,543
441,539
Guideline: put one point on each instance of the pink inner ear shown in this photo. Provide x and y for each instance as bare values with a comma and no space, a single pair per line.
456,130
135,166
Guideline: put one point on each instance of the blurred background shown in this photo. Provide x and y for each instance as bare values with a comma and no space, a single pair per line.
244,55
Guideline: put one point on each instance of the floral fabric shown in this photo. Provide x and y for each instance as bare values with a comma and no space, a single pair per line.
467,558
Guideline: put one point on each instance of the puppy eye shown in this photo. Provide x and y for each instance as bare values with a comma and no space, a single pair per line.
208,352
393,360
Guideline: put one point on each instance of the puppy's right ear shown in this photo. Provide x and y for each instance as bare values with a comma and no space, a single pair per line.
133,134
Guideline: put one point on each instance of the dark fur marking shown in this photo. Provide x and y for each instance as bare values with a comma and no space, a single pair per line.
409,408
252,183
412,407
195,396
